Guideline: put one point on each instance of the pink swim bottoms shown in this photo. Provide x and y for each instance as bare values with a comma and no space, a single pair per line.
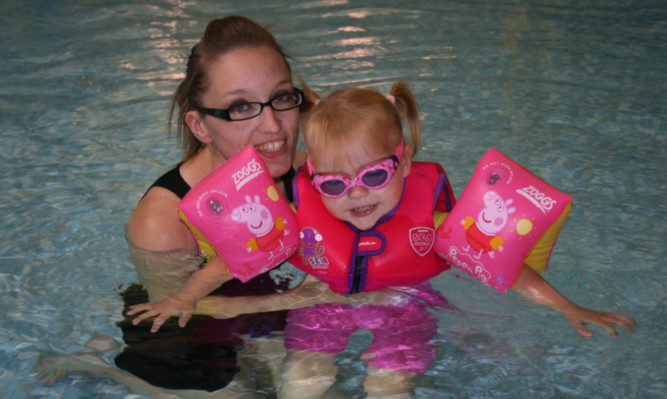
402,332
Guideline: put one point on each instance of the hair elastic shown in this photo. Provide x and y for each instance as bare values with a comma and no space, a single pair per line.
391,98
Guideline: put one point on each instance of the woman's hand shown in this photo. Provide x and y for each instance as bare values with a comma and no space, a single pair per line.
163,309
579,317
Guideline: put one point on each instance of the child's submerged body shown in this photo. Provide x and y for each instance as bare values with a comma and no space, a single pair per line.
401,330
400,348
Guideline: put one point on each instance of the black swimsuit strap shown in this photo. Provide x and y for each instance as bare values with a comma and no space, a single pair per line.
287,180
173,181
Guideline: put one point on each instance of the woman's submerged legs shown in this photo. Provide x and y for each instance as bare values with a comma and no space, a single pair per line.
307,374
386,384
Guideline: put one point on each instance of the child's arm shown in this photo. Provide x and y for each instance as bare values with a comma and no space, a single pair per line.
310,292
533,287
201,283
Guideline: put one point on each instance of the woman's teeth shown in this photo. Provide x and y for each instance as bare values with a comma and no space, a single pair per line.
271,147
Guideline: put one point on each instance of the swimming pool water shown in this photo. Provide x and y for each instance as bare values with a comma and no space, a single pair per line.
572,90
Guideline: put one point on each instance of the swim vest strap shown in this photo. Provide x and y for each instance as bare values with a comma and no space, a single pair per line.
367,243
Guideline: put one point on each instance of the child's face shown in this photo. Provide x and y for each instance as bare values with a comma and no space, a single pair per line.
362,206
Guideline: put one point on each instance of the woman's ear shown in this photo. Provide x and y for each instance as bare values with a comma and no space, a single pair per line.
406,161
194,121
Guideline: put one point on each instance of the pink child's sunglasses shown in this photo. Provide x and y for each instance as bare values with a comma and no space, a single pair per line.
372,177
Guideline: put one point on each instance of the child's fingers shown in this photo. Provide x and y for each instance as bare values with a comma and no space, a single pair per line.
148,313
599,319
183,320
159,321
134,309
160,312
581,329
622,321
608,320
610,329
628,328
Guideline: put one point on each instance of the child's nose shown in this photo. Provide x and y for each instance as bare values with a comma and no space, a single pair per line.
357,192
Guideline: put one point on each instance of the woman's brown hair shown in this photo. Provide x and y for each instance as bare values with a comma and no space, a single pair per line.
221,36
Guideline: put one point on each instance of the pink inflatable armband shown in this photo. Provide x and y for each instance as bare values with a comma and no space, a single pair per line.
505,217
238,210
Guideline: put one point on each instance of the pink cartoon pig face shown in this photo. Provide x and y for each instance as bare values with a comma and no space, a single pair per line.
493,217
256,216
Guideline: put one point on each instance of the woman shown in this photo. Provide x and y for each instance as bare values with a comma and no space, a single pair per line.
237,92
236,65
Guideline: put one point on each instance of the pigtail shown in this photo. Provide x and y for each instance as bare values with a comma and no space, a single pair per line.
407,108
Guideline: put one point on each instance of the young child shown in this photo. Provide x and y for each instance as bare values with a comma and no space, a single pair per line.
365,212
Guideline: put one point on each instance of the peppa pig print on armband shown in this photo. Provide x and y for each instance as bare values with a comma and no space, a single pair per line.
481,232
505,217
237,212
268,233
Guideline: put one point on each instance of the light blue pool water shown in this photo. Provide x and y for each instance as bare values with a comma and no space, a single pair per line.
575,91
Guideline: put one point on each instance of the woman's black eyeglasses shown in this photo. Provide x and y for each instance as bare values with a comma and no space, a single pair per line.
241,112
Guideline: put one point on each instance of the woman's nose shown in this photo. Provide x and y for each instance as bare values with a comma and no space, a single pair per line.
269,121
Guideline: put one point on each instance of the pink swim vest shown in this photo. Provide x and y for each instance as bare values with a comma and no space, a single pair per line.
398,251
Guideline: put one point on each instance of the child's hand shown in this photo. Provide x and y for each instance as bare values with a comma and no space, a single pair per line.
163,309
533,287
578,317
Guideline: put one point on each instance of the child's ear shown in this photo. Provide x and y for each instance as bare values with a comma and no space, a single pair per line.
194,121
406,161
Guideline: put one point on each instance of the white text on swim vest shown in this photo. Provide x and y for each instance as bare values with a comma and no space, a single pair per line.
317,262
245,174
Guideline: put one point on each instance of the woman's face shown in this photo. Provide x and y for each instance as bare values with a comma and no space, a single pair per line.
248,75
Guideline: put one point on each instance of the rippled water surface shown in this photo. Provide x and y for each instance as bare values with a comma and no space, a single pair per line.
575,91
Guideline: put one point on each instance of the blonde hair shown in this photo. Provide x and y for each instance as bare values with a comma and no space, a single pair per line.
360,116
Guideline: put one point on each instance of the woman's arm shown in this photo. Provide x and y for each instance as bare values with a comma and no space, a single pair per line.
533,287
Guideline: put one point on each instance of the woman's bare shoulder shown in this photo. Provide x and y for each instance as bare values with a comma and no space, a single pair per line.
155,225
